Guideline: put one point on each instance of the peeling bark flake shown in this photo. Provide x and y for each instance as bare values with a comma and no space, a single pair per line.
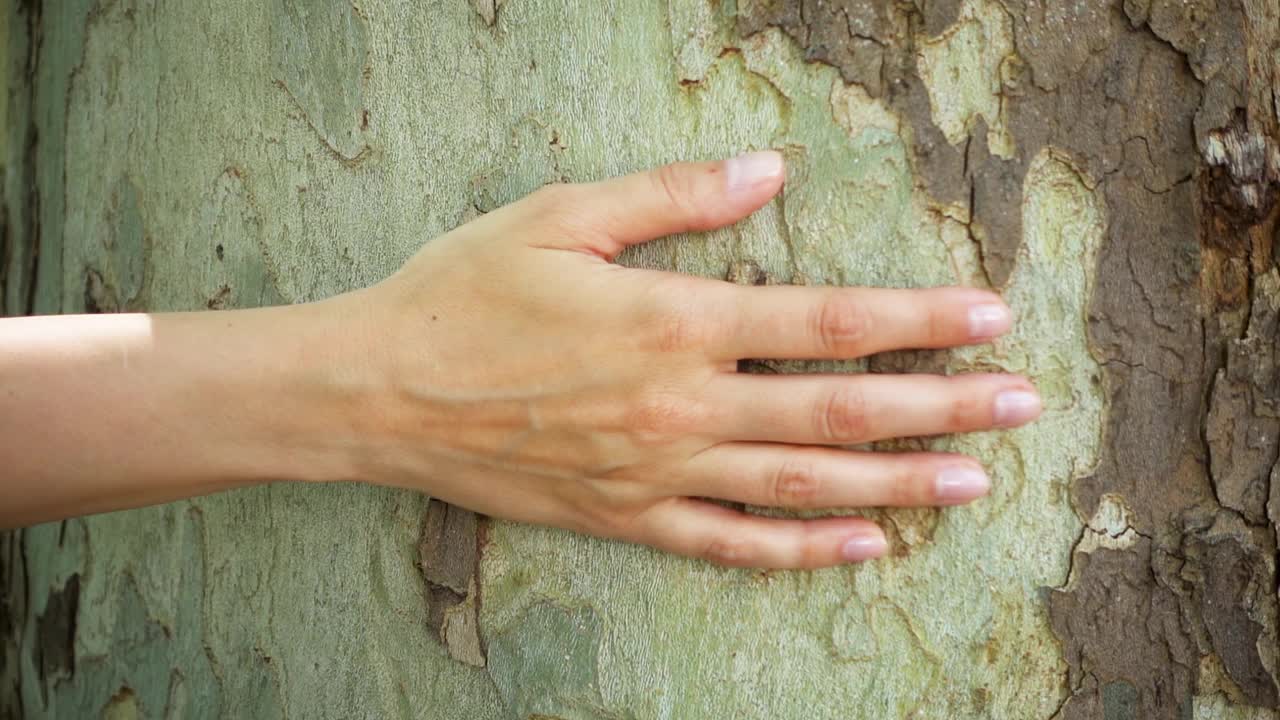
13,608
1169,110
1243,428
56,632
487,10
449,556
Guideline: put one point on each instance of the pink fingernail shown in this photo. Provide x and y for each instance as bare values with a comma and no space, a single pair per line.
745,172
960,484
988,321
1015,407
864,547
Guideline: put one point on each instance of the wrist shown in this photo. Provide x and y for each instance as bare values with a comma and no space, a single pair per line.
367,413
286,405
345,380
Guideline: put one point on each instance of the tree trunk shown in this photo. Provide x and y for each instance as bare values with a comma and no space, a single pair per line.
1112,167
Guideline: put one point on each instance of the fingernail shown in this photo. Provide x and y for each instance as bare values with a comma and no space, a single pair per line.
864,547
747,171
1015,407
988,321
960,484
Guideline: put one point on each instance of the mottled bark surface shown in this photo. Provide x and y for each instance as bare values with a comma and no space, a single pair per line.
1112,167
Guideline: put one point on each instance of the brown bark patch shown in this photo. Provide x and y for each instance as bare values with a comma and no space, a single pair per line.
449,557
1169,109
56,632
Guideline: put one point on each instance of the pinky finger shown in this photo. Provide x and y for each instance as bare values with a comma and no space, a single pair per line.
702,529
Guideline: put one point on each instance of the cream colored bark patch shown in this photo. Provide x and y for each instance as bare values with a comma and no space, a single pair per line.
953,626
307,602
963,70
856,111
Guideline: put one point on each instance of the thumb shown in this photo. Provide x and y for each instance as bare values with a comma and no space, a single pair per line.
681,197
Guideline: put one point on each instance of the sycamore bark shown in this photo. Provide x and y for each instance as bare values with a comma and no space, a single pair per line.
1111,167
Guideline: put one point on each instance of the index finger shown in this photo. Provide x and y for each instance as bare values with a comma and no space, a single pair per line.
824,323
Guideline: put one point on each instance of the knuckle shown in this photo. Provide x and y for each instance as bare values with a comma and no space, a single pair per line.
605,507
842,416
559,204
807,554
938,326
796,484
727,552
840,324
681,329
677,188
553,196
615,523
655,418
909,488
682,315
967,411
591,521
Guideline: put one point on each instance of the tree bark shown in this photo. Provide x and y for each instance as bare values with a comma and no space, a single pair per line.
1111,167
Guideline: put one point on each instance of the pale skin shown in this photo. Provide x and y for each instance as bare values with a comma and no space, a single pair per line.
511,367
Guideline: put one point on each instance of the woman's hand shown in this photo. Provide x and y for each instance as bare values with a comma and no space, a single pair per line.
512,369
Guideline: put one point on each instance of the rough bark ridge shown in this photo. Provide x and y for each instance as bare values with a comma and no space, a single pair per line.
1111,166
19,255
449,552
1170,109
12,612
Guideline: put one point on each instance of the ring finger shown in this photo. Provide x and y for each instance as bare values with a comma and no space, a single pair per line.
777,475
846,410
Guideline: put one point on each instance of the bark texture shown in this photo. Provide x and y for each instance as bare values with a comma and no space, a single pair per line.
1113,167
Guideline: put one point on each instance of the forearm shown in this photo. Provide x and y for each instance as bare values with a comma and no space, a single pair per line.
106,412
511,368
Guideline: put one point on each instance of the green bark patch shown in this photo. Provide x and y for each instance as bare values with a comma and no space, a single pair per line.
1110,171
545,665
320,57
